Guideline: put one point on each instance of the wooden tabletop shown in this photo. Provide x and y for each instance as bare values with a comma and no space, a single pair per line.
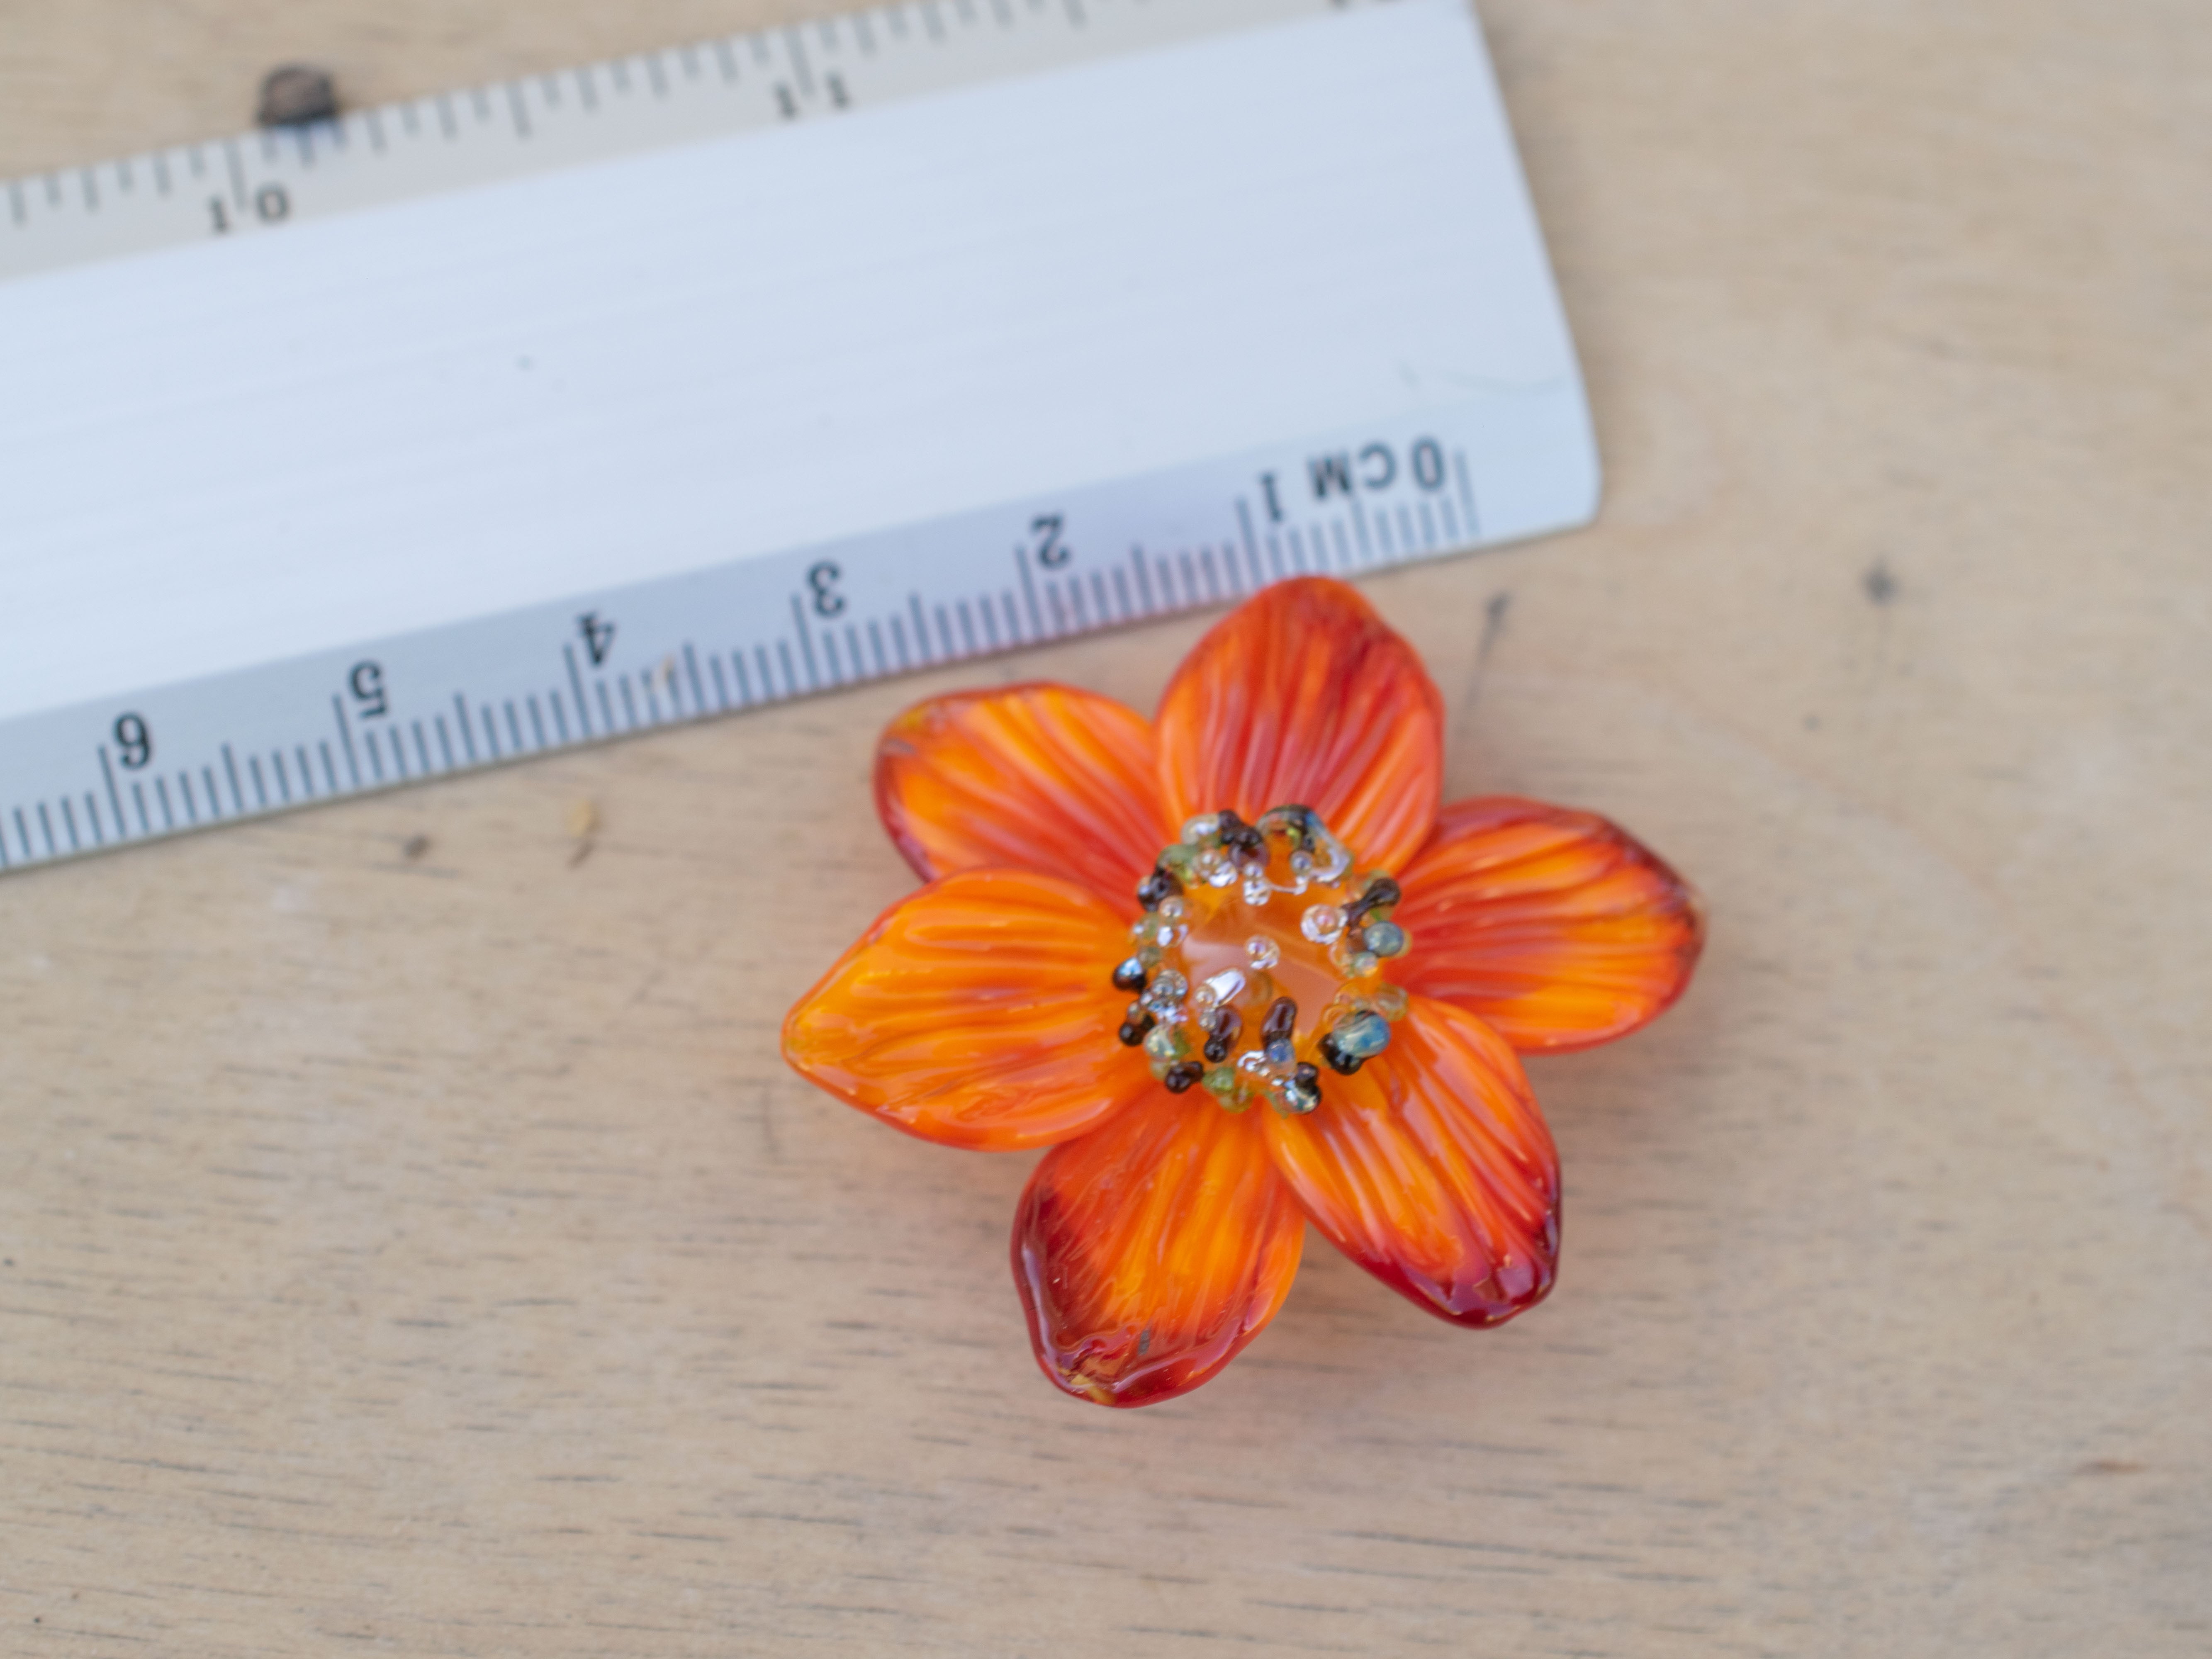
410,1241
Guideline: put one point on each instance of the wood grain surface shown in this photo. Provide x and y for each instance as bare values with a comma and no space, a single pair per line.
410,1241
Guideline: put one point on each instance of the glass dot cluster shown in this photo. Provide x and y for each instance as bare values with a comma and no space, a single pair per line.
1238,920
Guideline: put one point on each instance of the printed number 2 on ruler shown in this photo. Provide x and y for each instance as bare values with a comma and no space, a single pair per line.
466,430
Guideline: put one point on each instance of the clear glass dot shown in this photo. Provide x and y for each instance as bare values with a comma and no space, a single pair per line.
1321,923
1331,858
1166,991
1199,828
1258,889
1176,909
1264,953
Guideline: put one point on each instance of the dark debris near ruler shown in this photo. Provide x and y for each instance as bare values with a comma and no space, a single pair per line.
294,95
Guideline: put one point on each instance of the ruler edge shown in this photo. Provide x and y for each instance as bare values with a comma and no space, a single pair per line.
352,124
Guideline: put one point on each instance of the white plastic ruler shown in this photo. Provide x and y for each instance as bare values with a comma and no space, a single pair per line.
465,429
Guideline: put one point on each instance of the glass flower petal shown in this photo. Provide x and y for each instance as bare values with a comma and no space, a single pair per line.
1302,695
1431,1168
1038,777
1554,926
977,1012
1150,1250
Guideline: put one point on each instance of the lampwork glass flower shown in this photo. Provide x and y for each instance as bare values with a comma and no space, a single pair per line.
1240,969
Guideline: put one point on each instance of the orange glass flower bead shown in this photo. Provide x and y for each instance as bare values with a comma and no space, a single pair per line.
1240,969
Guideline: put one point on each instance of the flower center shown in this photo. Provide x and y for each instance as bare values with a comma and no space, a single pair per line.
1258,960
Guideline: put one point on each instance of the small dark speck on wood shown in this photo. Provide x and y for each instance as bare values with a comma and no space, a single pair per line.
1881,586
583,828
414,848
295,94
1493,624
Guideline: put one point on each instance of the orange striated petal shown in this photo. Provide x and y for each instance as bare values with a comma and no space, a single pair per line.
1554,925
1152,1249
1431,1168
1301,696
1036,777
977,1012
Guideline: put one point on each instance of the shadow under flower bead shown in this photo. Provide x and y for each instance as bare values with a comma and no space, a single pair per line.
1303,1004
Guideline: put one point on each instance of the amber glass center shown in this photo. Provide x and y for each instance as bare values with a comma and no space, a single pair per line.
1258,963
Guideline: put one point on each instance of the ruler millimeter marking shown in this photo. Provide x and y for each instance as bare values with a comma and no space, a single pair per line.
451,478
388,712
274,177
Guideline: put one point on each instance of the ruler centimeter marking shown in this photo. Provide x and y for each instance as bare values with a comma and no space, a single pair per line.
186,756
1491,459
